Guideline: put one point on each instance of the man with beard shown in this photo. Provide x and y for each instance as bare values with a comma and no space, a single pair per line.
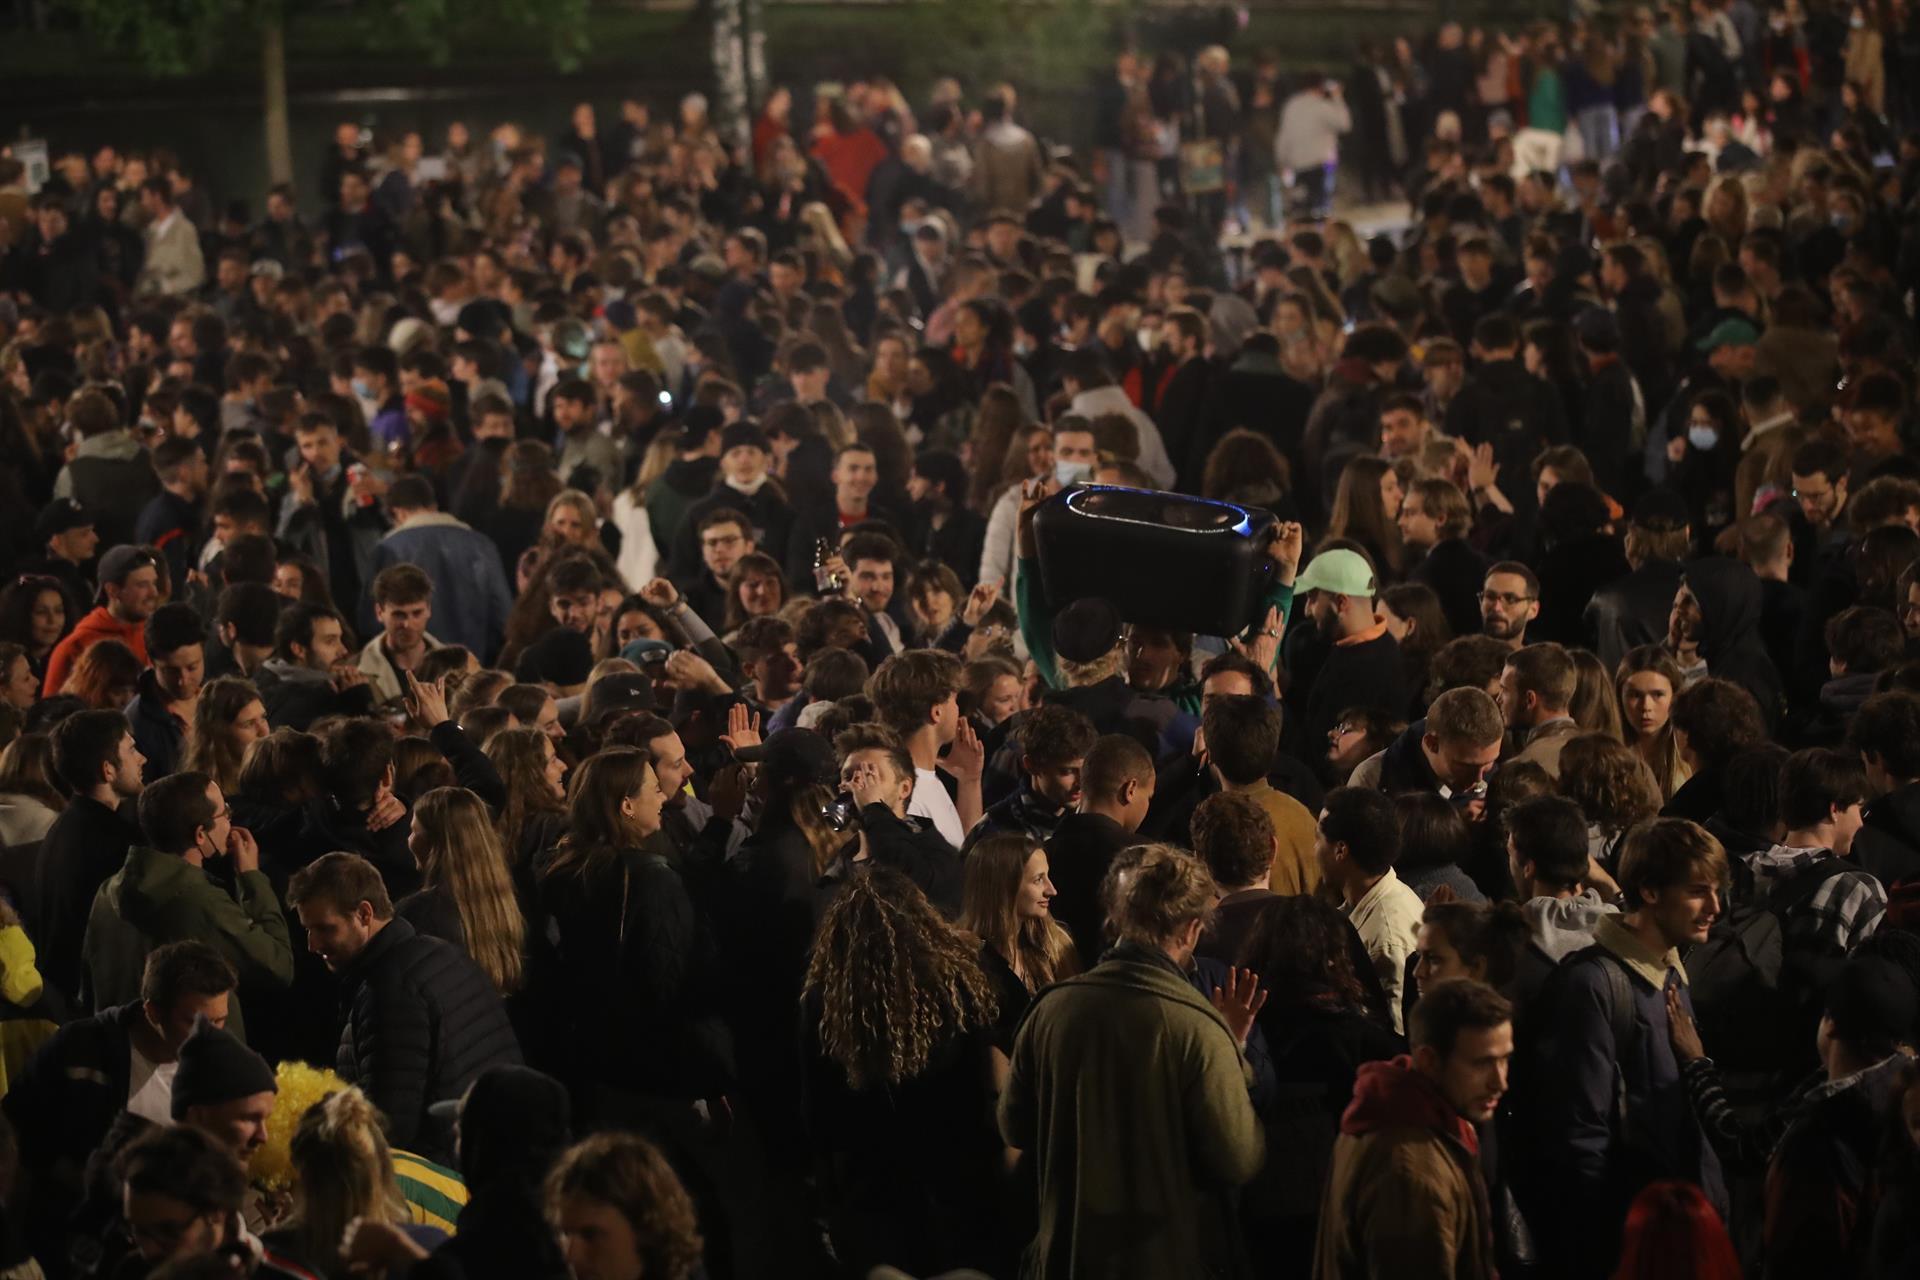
1509,601
1362,663
1716,613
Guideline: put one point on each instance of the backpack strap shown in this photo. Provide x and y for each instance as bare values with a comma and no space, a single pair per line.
1626,1030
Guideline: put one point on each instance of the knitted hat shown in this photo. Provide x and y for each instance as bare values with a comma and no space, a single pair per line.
431,400
215,1068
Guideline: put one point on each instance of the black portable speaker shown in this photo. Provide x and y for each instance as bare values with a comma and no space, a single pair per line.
1162,559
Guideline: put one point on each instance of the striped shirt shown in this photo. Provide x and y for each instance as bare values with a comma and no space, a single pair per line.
1843,912
435,1195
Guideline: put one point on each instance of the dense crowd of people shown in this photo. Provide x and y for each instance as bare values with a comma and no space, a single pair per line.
543,735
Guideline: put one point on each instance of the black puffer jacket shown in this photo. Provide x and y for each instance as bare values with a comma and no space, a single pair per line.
421,1022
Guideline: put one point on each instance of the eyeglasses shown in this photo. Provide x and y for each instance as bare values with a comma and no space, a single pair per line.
726,540
1506,598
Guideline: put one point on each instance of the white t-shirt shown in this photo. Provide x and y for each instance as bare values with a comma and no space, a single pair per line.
150,1088
931,801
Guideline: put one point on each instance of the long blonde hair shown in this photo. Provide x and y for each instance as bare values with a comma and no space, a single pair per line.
1040,951
209,750
461,857
520,757
895,980
345,1171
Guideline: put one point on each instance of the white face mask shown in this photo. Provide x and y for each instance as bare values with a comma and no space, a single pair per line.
1145,338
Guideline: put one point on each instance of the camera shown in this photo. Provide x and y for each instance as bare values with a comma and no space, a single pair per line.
840,812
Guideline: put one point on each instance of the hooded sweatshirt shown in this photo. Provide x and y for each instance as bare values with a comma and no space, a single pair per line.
1406,1195
1730,639
157,898
1562,926
95,626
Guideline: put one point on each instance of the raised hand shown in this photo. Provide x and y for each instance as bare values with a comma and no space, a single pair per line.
865,784
1264,649
386,811
688,670
427,702
1285,550
743,727
243,849
660,593
979,601
1239,1002
966,758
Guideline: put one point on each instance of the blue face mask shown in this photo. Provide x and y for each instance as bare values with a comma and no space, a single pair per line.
1702,438
362,390
1071,472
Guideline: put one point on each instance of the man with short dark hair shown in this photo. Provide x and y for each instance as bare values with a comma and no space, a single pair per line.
1449,751
1503,405
1716,614
163,709
163,894
96,761
916,696
1886,733
1509,602
403,606
1358,842
1406,1195
422,1019
1821,795
463,565
1602,1042
1548,859
1241,740
1116,789
870,581
1536,694
332,510
580,442
1054,742
244,619
1234,837
120,1059
170,523
1632,611
854,475
310,674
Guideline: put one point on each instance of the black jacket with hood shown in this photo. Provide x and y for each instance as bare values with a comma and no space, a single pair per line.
1730,640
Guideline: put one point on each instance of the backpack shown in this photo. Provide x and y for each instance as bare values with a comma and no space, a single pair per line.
1746,994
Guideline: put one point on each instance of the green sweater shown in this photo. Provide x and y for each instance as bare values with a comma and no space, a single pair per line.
157,898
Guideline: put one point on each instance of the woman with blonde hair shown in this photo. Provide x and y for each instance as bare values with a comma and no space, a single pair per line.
535,812
1007,904
1365,509
466,896
29,800
1649,680
572,522
228,718
898,1015
343,1171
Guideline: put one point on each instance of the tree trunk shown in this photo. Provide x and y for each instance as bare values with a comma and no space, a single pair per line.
273,91
730,71
754,18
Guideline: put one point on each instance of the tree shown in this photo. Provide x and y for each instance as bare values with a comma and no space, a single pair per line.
181,37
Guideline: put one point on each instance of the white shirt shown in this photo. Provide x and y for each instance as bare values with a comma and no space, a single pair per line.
150,1087
931,801
1388,922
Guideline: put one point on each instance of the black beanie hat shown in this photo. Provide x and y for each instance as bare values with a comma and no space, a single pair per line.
215,1068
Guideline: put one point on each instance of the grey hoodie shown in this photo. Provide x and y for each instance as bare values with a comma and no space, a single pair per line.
1562,926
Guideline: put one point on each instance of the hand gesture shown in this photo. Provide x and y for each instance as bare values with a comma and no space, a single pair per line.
865,784
243,849
386,811
966,758
979,601
660,593
1442,893
1285,550
1682,1030
688,670
1240,1002
1482,470
743,727
727,793
366,485
427,702
347,676
1264,648
300,485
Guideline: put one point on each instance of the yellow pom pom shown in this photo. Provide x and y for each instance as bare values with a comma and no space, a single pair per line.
299,1087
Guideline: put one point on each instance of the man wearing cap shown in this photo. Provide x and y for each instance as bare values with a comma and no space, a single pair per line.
745,458
1730,347
129,579
65,536
1633,610
464,566
1362,659
1821,1191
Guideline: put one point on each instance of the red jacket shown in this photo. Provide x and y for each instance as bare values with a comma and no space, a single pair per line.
96,626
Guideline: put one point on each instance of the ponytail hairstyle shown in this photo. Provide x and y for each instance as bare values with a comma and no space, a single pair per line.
344,1170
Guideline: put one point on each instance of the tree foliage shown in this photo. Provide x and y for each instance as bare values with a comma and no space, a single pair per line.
179,37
